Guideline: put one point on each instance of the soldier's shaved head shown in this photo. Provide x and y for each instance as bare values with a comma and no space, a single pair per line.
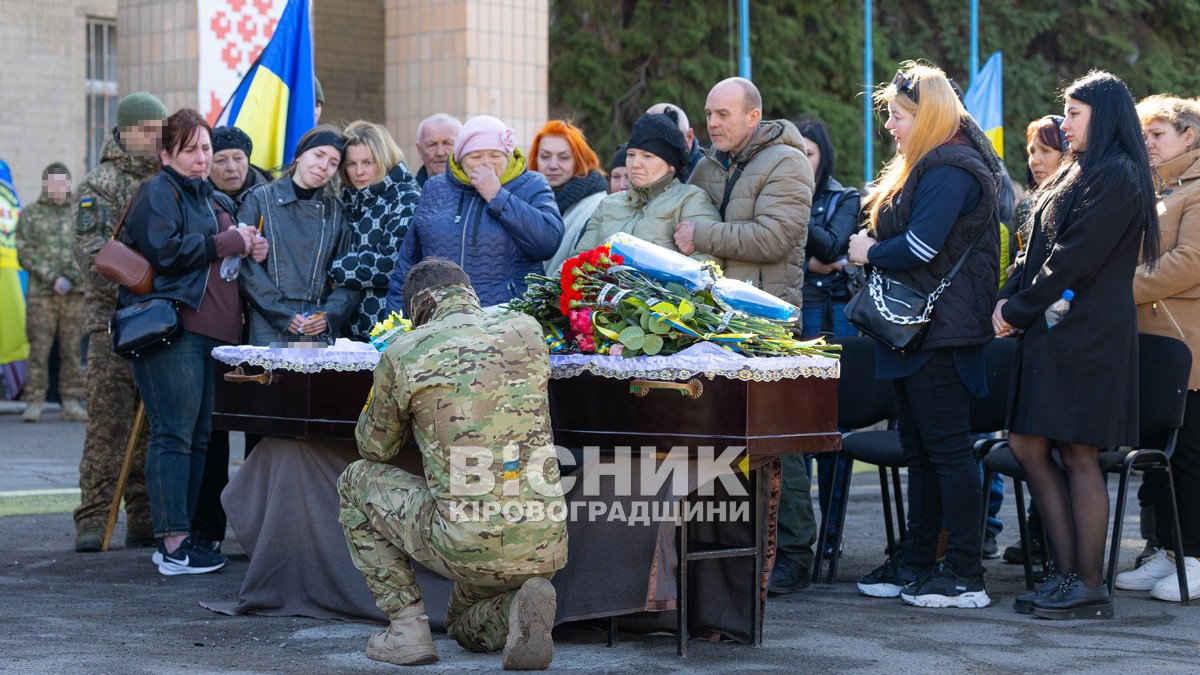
427,275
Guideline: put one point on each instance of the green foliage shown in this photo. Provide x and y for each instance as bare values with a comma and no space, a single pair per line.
611,59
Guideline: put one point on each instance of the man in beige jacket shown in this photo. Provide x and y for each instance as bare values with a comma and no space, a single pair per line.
758,175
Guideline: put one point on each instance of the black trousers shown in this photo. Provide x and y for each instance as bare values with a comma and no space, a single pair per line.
933,411
208,520
1185,469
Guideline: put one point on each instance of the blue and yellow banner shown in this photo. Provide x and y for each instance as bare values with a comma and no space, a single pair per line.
275,103
985,100
13,346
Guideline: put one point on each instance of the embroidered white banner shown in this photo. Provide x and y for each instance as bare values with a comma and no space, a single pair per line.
232,35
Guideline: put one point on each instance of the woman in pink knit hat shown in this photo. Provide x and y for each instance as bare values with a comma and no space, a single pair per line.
487,213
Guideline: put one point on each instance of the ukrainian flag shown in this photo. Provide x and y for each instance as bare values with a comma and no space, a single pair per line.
13,346
985,101
275,103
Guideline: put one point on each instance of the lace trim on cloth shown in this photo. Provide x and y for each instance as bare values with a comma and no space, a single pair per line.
700,359
703,358
344,355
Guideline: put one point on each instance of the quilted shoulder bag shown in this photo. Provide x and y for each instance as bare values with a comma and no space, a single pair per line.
896,314
145,327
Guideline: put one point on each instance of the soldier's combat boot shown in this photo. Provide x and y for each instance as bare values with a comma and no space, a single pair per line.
33,413
407,641
73,411
530,620
89,538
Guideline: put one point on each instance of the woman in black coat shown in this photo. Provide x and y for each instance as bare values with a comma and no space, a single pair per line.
1076,386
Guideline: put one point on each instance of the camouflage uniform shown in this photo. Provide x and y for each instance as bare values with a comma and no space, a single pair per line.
464,380
100,203
44,250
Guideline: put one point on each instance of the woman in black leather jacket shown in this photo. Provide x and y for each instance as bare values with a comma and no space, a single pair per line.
184,230
290,293
833,219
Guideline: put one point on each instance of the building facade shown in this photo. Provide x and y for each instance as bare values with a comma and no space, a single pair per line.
391,61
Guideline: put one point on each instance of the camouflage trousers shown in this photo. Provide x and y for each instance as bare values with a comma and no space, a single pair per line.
47,317
112,401
387,513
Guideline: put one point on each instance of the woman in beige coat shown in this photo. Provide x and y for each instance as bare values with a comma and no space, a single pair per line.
1168,301
656,199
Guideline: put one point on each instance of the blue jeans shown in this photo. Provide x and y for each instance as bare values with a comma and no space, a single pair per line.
828,316
176,386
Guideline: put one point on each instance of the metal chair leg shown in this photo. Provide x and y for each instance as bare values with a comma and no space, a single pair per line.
1180,567
1119,520
840,530
885,493
681,581
898,495
1023,530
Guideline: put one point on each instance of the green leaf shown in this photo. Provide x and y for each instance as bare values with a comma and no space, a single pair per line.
659,328
653,345
686,310
632,337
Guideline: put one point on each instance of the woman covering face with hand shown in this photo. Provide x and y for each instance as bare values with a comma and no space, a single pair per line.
487,213
290,293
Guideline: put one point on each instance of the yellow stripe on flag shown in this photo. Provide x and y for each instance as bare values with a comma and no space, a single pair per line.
264,118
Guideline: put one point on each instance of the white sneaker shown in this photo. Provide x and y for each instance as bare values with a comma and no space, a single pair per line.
1144,577
1167,588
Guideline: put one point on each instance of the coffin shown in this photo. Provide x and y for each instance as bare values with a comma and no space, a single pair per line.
302,395
773,406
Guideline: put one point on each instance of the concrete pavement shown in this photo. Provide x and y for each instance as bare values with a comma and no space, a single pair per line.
113,613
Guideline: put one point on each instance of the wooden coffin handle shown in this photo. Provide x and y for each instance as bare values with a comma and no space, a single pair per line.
238,376
693,388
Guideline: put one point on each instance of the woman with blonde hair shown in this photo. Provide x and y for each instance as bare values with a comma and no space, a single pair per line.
934,204
380,196
561,154
1168,303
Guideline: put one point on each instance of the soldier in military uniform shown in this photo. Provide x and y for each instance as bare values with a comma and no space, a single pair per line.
467,385
54,305
128,157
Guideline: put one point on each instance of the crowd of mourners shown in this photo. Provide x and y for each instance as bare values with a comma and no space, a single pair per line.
1107,210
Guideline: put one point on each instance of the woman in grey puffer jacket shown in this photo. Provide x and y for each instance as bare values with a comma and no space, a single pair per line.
486,213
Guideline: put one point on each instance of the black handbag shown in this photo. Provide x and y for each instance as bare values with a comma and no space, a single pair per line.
895,314
145,327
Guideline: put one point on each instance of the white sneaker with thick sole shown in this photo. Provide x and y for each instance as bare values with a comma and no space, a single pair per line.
1167,588
1143,578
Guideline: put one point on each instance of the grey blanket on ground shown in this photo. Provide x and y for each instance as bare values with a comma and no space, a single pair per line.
283,508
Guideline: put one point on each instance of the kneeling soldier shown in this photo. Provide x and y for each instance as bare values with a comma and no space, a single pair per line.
489,513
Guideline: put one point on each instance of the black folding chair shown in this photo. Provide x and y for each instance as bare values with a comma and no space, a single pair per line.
1163,369
863,401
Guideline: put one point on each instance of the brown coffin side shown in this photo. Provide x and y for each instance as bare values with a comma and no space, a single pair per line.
318,405
769,418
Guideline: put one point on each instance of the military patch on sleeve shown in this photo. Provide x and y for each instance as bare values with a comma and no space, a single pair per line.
87,216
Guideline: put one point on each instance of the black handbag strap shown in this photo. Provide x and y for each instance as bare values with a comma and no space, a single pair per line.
733,179
962,260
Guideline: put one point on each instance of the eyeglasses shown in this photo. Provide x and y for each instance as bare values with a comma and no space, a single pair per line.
905,86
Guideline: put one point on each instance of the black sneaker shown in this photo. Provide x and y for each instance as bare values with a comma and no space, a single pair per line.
889,578
943,587
1015,555
787,577
991,550
213,545
187,559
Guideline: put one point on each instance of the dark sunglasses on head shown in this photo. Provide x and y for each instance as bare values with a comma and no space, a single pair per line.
905,86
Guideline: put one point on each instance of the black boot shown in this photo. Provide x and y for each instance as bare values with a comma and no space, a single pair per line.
1048,585
787,577
1075,600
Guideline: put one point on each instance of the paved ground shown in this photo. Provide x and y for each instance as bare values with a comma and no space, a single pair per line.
112,613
